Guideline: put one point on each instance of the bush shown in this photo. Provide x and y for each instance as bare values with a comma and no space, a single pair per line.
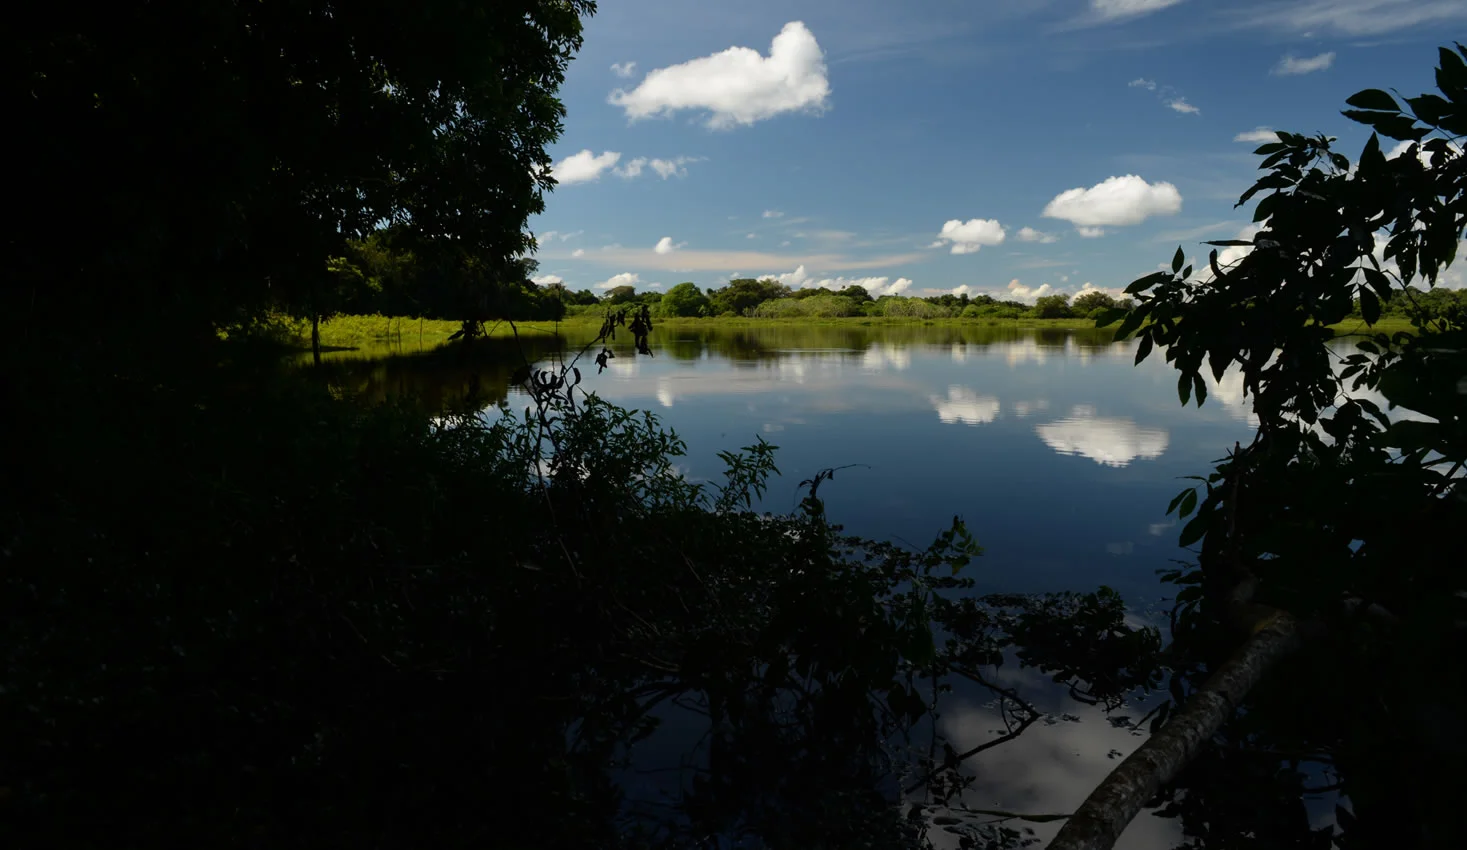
911,308
810,307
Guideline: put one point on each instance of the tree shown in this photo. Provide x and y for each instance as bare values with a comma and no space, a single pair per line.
620,294
1322,537
856,293
433,117
744,294
1053,307
685,299
1087,302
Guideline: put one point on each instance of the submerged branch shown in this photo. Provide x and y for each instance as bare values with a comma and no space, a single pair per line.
1111,806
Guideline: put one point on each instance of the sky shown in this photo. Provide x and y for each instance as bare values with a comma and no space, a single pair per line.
1008,147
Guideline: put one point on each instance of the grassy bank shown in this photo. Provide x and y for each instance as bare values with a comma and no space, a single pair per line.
373,334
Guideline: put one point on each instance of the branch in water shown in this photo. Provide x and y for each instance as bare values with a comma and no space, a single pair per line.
1111,806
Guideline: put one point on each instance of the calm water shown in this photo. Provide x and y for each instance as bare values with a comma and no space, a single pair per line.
1059,453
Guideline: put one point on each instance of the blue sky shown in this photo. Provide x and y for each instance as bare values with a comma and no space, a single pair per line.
1003,145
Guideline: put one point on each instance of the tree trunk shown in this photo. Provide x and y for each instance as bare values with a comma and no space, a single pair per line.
316,338
1110,807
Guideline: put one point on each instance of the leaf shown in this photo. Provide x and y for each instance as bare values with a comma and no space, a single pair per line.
1230,243
1177,500
1265,208
1178,259
1373,99
1193,531
1189,504
1199,388
1369,306
1451,74
1145,283
1270,147
1144,349
1401,128
1184,388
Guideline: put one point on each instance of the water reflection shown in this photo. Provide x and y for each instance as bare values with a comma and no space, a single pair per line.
1110,441
965,406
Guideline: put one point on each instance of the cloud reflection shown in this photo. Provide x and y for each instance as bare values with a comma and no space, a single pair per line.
965,406
1109,441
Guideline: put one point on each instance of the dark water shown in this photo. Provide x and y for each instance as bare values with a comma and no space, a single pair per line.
1059,453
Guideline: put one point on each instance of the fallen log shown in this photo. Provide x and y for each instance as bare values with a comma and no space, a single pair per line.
1110,807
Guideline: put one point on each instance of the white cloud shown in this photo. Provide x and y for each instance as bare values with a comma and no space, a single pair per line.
1259,135
1029,234
1117,201
1115,9
1226,257
568,236
784,244
965,406
624,69
773,214
1422,155
1166,94
583,167
666,168
1351,17
1180,104
1019,292
665,245
546,279
738,85
751,236
623,279
1142,83
877,286
1107,441
579,252
1090,232
967,237
1291,65
633,168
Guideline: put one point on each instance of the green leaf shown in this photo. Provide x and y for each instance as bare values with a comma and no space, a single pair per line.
1177,499
1265,208
1144,349
1199,388
1145,283
1193,531
1271,148
1373,99
1451,73
1184,388
1430,108
1401,128
1369,306
1188,505
1178,259
1230,243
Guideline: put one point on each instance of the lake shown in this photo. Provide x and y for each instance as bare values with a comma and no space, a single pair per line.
1057,450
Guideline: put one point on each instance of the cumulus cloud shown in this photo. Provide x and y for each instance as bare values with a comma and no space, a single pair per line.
1029,234
547,279
583,167
1180,104
623,279
773,214
967,237
877,286
1090,232
1107,441
1117,201
633,168
666,168
965,406
579,252
623,69
1258,135
665,245
1142,83
1115,9
1293,65
1019,292
1422,155
737,86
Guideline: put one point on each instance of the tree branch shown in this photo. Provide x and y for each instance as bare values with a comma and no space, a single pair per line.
1110,807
